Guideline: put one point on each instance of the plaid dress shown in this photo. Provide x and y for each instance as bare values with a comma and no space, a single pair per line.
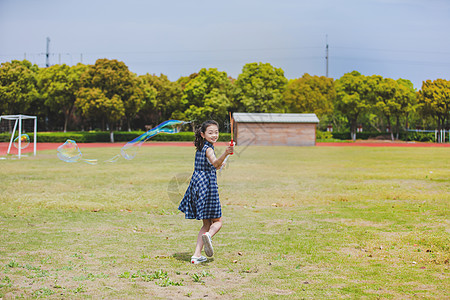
201,200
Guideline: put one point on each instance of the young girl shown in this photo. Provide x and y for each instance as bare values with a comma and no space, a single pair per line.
201,200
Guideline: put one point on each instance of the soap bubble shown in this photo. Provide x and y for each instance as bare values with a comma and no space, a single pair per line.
69,151
114,159
24,141
130,149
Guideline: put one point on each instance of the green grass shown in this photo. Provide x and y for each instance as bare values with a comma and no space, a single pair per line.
313,223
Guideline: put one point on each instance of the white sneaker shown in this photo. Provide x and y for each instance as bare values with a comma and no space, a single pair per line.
198,260
207,243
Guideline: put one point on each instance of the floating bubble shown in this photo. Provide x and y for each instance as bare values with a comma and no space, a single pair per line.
131,148
24,141
114,159
69,151
90,161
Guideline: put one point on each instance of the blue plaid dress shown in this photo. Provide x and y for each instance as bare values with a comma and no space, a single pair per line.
201,200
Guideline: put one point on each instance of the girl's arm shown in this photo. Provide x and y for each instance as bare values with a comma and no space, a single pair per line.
217,162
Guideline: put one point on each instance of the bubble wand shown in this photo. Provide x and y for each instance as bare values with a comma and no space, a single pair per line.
231,142
232,131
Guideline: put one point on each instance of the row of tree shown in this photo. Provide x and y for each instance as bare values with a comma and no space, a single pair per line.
107,95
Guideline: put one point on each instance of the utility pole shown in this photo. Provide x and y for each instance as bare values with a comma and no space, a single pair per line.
326,57
47,55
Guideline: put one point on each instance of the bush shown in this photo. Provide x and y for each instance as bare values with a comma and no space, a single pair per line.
5,137
359,135
404,136
418,136
104,137
323,135
341,135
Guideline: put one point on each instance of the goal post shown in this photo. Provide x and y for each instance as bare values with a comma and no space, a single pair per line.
20,129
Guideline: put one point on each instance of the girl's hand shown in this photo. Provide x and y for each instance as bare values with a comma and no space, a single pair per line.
230,150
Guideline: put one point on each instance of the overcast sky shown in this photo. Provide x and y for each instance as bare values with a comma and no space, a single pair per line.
394,38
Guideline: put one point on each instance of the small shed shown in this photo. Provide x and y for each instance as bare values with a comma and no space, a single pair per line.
275,129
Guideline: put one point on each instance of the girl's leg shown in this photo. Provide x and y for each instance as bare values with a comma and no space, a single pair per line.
205,228
215,226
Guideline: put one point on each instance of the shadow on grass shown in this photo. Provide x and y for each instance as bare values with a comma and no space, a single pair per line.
183,256
186,257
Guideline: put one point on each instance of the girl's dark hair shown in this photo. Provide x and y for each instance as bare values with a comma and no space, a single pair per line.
199,140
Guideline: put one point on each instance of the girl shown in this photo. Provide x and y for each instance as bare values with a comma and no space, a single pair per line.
201,200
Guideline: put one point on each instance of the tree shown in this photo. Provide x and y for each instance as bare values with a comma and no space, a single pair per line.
114,80
58,86
207,96
386,100
166,101
184,80
434,101
94,103
406,97
259,88
310,94
17,86
394,99
146,114
354,93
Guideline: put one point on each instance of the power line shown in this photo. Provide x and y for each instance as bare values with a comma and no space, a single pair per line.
229,50
393,50
393,61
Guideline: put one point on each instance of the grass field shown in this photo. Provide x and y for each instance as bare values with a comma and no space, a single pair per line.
313,223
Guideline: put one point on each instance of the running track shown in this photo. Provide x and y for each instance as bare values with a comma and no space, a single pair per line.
53,146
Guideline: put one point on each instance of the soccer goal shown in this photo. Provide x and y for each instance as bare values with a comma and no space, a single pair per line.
18,128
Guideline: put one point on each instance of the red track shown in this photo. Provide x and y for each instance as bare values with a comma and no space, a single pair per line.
53,146
383,144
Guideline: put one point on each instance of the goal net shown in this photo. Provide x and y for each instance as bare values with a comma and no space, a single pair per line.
18,134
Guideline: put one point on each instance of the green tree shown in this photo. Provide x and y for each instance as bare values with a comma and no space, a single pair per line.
207,96
434,100
94,103
406,97
310,94
394,99
386,100
184,80
165,99
17,86
114,80
58,86
354,93
259,88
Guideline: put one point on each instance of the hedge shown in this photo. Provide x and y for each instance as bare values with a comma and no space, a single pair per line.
104,137
404,136
126,136
418,136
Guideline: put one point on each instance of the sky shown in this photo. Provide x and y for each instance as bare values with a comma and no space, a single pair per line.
407,39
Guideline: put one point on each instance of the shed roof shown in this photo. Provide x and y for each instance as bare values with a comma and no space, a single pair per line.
274,118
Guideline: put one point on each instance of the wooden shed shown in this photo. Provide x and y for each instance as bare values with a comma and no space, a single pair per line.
275,129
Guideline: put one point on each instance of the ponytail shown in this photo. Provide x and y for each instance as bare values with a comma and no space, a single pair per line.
199,140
